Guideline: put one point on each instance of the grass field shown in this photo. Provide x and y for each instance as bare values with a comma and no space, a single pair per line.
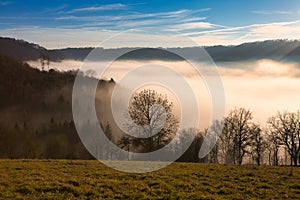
61,179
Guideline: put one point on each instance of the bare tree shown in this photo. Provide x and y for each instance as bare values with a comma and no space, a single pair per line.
258,143
152,116
215,129
226,144
273,145
239,126
285,125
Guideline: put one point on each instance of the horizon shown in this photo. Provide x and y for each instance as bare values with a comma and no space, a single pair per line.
124,47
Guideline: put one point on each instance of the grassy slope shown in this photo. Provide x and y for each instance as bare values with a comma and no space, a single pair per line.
42,179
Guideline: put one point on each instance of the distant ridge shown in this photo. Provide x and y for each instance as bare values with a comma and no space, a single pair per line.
21,50
281,50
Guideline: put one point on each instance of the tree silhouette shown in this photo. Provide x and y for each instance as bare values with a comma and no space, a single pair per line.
239,127
285,126
151,113
258,143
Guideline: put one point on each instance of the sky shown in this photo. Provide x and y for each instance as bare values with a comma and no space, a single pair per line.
59,24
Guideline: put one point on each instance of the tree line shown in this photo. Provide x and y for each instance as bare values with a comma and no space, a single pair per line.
237,136
241,137
241,140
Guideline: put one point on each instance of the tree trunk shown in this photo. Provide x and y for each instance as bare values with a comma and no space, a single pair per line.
258,159
295,159
276,157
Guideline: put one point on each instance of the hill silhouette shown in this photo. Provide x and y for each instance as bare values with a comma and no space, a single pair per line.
21,50
280,50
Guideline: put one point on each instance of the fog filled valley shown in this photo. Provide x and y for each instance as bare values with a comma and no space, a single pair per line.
36,104
150,99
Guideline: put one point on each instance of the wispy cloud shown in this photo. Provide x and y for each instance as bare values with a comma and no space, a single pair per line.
117,6
250,33
226,30
138,4
272,12
183,18
89,33
196,25
183,13
193,19
134,16
83,37
54,10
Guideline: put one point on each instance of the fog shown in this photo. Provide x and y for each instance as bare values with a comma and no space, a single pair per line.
264,86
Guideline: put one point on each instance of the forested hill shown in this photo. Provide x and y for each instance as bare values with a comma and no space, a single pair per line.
22,85
22,51
36,113
281,50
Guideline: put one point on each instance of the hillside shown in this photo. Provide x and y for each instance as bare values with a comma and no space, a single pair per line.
36,113
281,50
21,50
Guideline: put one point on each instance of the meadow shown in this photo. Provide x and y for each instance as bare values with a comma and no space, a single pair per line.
67,179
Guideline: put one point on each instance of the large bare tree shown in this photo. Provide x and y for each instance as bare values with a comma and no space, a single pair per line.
239,128
153,117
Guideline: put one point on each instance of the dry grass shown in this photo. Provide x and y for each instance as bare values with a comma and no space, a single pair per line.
62,179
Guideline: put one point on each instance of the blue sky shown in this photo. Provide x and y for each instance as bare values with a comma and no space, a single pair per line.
207,22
